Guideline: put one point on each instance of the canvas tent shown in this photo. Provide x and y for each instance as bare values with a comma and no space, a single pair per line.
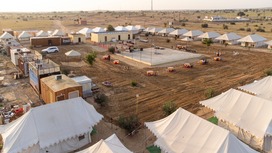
178,32
246,116
58,32
254,40
72,53
42,34
133,29
24,36
98,29
261,88
120,28
111,145
6,36
229,38
183,131
193,34
59,127
154,30
166,31
148,29
86,31
269,43
86,85
139,27
209,35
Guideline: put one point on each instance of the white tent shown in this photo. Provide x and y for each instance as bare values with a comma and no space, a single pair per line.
86,31
120,28
59,127
230,38
24,36
155,30
185,132
148,29
58,32
139,27
6,36
209,35
166,30
246,116
111,145
178,32
133,29
72,53
269,43
186,39
42,34
98,29
254,40
86,84
261,88
193,33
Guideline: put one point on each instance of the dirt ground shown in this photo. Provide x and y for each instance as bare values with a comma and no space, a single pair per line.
185,87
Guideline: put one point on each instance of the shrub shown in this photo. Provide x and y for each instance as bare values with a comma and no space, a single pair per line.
225,26
183,24
260,30
110,28
91,58
232,23
130,123
169,108
112,50
147,34
101,99
242,29
204,25
65,71
268,72
248,30
134,84
168,40
209,93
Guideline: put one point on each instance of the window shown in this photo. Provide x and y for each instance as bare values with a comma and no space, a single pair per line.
81,137
129,37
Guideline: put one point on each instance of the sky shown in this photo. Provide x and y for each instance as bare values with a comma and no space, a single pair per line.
89,5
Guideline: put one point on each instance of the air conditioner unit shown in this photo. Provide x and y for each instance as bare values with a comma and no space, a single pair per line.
58,77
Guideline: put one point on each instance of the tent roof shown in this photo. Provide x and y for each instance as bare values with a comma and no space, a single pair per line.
139,27
154,30
120,28
261,88
131,28
24,34
85,31
242,110
193,33
58,85
252,38
148,28
166,30
42,34
6,35
269,42
58,32
186,39
183,131
211,34
98,29
67,119
178,32
111,145
72,53
229,36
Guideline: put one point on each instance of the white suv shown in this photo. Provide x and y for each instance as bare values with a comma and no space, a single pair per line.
52,49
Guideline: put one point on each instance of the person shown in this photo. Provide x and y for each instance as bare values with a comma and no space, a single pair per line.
218,53
109,57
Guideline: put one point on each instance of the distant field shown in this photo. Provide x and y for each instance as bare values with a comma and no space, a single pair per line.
45,21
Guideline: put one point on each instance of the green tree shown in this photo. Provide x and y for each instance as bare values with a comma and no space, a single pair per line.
110,28
91,58
169,108
130,123
241,14
207,42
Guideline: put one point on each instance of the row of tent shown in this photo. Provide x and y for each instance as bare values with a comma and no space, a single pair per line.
26,35
240,114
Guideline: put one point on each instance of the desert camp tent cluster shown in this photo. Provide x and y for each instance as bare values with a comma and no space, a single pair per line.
57,131
185,132
237,110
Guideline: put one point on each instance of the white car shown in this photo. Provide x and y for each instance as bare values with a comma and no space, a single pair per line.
52,49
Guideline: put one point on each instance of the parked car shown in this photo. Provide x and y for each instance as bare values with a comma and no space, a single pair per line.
52,49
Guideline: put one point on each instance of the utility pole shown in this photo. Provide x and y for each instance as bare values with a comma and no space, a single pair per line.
151,5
